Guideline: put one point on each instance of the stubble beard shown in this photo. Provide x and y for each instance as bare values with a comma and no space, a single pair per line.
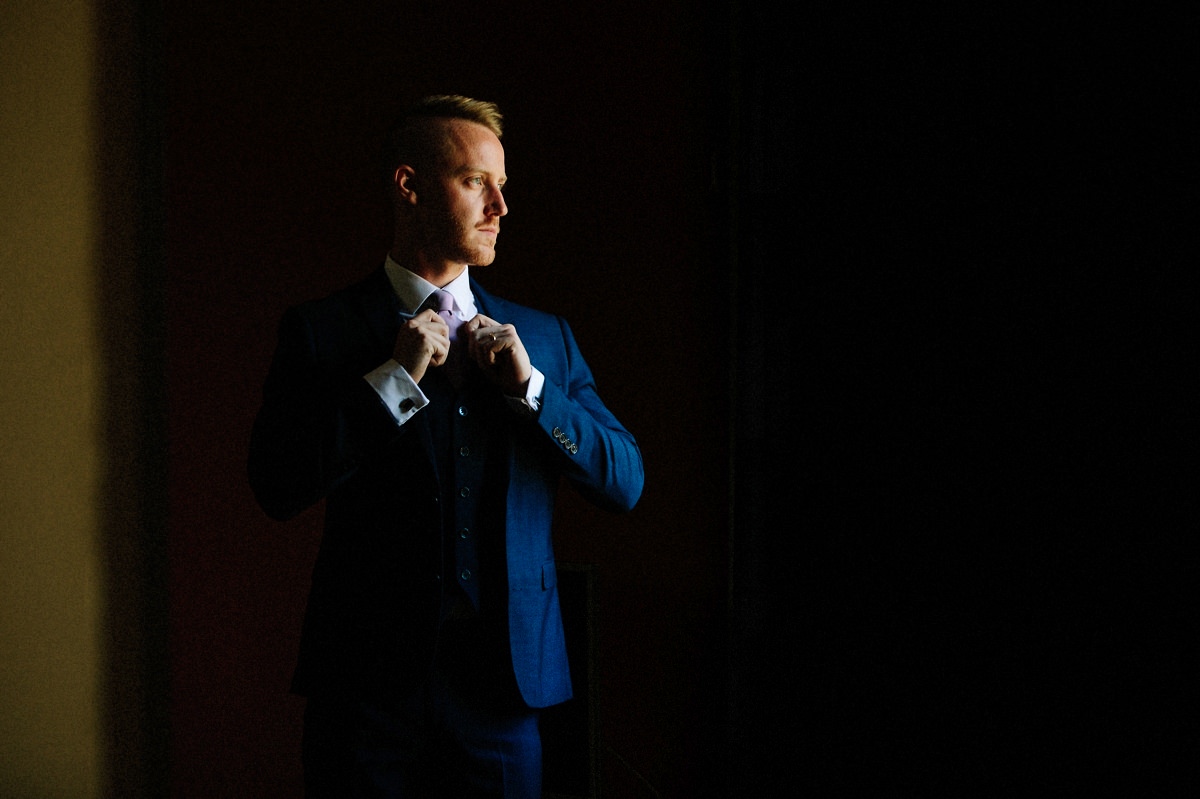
450,239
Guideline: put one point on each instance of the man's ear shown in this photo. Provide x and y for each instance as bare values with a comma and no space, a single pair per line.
405,181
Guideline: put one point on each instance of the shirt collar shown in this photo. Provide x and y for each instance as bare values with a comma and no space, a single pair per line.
412,290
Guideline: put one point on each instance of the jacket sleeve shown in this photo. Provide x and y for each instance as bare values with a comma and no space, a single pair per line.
599,457
319,419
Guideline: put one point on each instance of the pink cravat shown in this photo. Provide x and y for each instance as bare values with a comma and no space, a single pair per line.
442,301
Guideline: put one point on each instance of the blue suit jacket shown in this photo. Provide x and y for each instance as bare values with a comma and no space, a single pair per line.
323,433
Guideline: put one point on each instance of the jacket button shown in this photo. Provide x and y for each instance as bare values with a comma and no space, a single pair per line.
465,575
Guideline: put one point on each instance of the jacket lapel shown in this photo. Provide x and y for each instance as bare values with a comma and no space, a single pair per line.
380,309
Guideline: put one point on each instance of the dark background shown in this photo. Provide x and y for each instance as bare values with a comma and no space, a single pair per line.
917,532
973,532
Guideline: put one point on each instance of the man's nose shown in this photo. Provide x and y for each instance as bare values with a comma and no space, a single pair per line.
497,204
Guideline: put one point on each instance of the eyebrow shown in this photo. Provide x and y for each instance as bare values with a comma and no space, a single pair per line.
463,170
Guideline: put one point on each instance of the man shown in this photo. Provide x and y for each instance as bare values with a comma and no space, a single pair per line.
433,632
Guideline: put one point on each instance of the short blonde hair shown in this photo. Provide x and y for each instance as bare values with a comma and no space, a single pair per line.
413,138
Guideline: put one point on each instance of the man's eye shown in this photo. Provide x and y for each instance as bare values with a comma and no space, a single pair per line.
476,181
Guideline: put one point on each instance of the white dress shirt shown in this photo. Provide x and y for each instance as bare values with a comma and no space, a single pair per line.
399,392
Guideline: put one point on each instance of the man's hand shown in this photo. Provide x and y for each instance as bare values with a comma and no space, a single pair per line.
498,352
421,342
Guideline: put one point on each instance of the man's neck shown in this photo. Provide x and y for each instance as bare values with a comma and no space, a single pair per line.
437,272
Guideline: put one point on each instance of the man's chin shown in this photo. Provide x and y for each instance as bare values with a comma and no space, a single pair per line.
484,257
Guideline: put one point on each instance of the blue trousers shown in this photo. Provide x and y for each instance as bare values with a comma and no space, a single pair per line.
463,734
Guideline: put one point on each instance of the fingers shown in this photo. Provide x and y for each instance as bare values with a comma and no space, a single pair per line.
479,321
422,340
434,335
490,341
497,349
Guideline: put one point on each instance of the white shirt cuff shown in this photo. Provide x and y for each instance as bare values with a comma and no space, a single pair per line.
398,390
531,403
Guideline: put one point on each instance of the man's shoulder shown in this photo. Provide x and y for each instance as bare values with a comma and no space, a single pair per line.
509,311
368,304
370,288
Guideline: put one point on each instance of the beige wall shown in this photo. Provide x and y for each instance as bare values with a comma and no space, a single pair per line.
50,458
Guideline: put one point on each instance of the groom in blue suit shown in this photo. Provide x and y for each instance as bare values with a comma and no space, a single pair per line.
436,421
